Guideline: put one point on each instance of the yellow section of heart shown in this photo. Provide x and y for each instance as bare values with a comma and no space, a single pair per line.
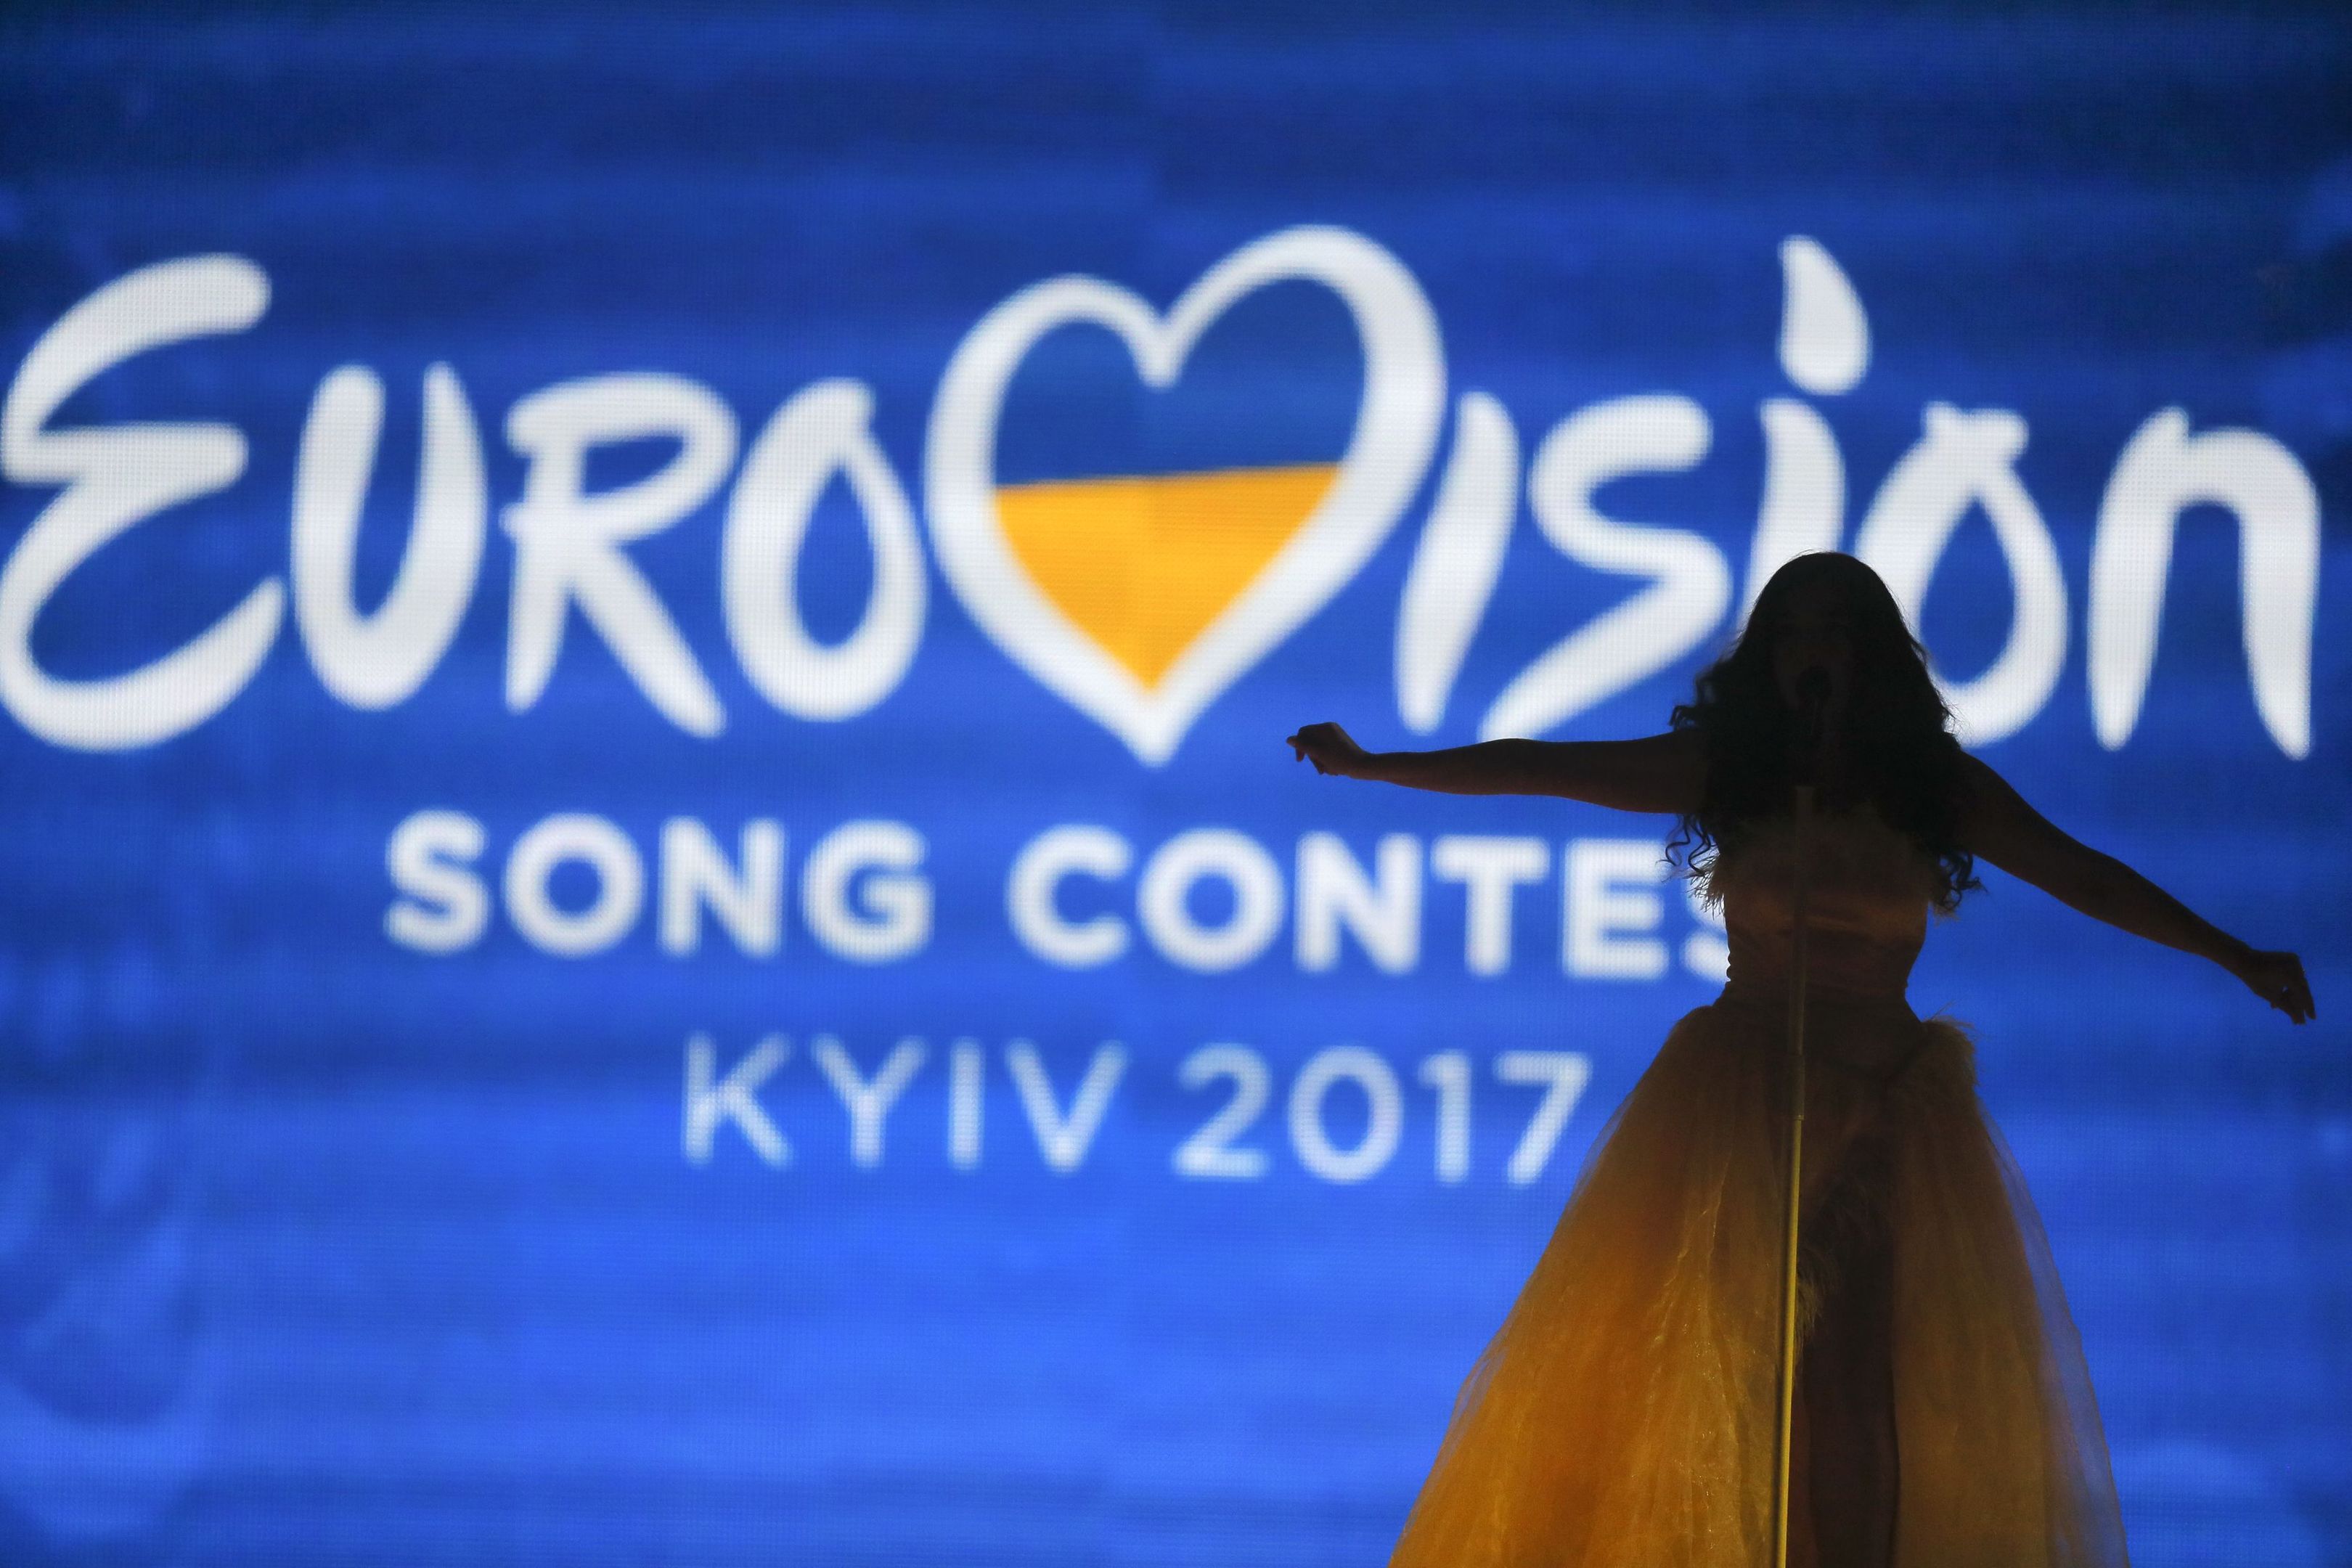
1144,563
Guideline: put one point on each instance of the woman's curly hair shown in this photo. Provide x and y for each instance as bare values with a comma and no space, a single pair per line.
1909,764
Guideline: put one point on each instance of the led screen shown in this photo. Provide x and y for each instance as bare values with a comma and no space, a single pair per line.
657,913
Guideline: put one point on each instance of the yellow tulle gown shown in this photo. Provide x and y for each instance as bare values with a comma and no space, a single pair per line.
1624,1414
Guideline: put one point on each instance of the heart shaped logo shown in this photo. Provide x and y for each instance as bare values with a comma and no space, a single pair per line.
1206,572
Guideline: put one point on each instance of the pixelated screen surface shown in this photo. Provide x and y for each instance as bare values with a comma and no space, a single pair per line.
657,909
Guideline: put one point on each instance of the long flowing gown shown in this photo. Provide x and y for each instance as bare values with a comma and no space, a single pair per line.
1624,1412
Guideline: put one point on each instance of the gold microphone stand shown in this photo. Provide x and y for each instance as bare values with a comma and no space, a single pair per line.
1784,1431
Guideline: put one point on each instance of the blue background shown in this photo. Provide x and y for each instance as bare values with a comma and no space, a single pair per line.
323,1251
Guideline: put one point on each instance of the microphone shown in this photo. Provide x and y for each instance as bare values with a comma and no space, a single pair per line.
1812,704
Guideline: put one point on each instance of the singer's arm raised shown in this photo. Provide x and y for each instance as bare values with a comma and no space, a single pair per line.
2002,829
1658,773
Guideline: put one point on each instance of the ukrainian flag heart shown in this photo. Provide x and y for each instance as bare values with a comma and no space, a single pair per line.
1139,599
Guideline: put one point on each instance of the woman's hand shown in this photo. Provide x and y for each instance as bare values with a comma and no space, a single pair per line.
2277,978
1330,749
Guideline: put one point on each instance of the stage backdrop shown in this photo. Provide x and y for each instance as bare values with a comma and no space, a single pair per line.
655,911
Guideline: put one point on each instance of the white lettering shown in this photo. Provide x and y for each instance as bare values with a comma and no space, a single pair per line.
591,841
966,1070
1383,1123
1458,559
1381,911
1209,1154
1064,1138
868,1103
1449,1074
696,874
1966,460
1182,864
883,861
1564,1075
1824,349
374,661
1824,333
429,856
822,431
1609,884
1488,869
711,1101
1037,874
115,478
568,543
2163,470
1804,493
1689,584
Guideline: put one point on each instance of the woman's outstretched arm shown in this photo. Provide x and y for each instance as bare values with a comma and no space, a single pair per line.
2018,840
1659,773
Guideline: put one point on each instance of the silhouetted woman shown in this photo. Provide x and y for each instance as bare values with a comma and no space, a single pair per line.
1624,1414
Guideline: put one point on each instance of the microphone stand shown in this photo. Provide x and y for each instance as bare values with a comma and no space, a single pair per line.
1813,694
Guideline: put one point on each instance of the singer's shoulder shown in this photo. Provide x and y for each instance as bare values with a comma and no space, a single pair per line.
1999,827
1980,782
1996,820
1980,787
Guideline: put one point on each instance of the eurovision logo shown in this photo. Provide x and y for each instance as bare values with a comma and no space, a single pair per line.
1139,599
